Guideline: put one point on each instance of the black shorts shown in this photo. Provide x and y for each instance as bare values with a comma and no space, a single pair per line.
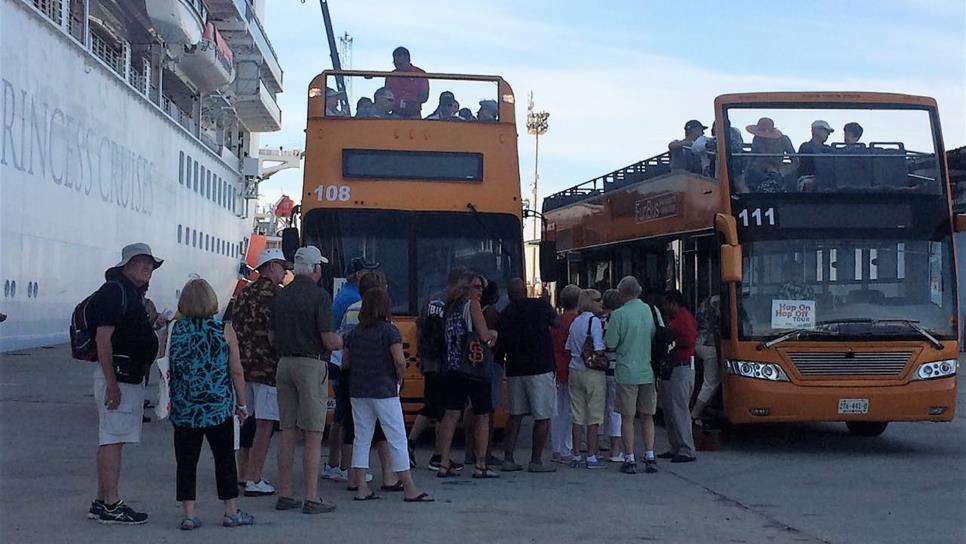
459,389
434,396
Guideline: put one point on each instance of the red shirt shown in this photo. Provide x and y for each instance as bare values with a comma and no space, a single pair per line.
683,331
561,356
410,89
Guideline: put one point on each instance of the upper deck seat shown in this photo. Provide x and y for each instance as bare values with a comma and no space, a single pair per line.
852,166
889,164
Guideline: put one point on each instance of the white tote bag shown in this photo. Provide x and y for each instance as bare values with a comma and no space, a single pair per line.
163,408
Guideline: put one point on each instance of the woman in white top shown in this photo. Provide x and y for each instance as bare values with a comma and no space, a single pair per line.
588,387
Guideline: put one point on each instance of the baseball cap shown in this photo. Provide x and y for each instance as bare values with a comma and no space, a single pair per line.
359,264
694,123
270,255
310,255
823,125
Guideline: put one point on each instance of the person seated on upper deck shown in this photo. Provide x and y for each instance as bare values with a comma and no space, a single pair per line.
807,171
852,132
767,171
384,103
447,108
736,145
687,153
489,111
411,92
332,105
365,108
466,114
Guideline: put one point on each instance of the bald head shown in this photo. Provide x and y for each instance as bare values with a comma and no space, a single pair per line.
516,289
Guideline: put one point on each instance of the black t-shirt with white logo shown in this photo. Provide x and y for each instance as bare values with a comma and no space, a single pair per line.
133,334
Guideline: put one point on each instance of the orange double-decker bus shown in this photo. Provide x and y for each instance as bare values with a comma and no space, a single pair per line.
418,194
832,262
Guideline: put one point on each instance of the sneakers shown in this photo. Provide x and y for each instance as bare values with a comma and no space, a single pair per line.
321,507
577,463
562,459
434,464
334,473
121,514
237,519
650,466
286,503
510,466
259,488
616,458
594,464
96,508
629,467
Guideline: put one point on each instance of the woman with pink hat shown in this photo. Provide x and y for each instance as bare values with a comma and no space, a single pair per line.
767,170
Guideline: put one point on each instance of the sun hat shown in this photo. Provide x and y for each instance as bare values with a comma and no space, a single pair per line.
765,129
270,255
131,251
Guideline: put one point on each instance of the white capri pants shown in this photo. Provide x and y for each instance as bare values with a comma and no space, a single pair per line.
711,376
388,411
561,432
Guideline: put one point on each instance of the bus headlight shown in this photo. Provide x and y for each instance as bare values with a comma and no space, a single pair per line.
756,370
937,369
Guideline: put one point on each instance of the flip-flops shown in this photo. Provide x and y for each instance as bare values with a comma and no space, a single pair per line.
422,497
370,497
398,486
449,472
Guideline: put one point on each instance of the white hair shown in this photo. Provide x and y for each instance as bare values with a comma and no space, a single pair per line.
303,269
629,287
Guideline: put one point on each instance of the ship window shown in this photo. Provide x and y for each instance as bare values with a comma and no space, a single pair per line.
194,238
195,168
181,167
187,236
201,188
187,171
207,246
179,234
208,186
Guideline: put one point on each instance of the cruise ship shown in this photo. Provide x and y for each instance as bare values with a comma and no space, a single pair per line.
126,121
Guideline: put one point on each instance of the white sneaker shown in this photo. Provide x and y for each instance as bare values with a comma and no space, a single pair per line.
339,475
332,473
259,488
368,477
618,458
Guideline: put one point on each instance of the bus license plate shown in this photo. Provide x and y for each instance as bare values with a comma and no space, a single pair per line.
853,406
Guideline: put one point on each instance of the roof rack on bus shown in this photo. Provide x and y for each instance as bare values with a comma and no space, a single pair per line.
634,173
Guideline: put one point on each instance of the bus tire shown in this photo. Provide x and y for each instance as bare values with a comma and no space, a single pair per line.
867,428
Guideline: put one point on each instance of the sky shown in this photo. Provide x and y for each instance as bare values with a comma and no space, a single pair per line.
620,78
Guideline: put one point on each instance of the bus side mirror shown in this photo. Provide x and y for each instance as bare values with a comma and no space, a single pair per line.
290,243
959,222
549,266
728,227
730,263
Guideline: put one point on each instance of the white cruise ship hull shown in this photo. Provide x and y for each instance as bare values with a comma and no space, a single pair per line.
88,165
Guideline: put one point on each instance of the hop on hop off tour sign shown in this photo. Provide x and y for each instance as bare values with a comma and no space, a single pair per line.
793,314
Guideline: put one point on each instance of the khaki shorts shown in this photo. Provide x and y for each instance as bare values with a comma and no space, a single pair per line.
302,393
532,395
123,424
588,396
636,399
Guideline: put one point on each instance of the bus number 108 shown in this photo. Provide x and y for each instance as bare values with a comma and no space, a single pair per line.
333,193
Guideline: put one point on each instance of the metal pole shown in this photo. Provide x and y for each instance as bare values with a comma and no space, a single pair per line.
536,176
334,55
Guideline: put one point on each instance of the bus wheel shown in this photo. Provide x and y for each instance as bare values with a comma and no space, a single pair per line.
867,428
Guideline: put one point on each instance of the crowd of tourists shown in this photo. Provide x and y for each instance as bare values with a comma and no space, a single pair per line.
594,367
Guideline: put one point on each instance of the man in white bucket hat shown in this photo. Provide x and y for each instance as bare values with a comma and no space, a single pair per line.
126,345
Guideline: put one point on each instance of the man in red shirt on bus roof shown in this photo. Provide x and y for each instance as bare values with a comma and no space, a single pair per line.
410,92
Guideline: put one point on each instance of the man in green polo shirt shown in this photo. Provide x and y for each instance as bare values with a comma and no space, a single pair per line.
630,330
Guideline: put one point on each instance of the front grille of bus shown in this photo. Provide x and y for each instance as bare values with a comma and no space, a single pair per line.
873,363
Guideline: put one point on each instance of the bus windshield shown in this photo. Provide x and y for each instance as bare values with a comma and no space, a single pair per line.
821,149
847,285
416,250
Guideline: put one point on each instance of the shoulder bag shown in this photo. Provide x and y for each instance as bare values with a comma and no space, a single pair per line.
593,359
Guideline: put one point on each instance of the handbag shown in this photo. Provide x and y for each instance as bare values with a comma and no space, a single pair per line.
593,359
163,407
477,359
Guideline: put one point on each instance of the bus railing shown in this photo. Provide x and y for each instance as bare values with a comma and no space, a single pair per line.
639,171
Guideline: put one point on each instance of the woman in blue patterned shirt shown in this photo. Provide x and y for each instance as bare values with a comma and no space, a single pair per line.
207,390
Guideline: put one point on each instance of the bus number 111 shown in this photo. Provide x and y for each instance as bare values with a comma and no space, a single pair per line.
757,218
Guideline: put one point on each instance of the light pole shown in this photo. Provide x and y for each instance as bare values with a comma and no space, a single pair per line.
536,125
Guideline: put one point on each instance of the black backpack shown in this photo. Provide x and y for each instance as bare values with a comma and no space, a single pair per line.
660,362
432,332
82,338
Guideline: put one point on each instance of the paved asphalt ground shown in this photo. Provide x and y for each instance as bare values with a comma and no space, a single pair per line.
790,483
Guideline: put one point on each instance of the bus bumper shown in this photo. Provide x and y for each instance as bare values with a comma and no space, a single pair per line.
749,400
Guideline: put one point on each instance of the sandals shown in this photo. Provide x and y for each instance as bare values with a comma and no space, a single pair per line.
190,524
237,519
398,486
422,497
447,472
370,497
484,473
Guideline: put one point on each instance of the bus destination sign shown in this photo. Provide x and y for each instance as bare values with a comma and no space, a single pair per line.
656,207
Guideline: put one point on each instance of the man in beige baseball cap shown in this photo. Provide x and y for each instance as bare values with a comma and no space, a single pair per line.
816,146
